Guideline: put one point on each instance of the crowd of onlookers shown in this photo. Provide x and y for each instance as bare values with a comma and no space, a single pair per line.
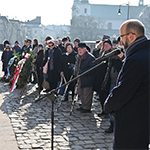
61,56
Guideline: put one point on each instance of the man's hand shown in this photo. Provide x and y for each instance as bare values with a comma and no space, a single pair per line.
121,55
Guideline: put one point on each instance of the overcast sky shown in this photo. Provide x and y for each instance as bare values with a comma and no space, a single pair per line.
52,11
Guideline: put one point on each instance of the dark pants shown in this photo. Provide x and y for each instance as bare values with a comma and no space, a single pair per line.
40,77
102,96
86,96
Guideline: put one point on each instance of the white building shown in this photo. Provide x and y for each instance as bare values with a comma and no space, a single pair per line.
108,14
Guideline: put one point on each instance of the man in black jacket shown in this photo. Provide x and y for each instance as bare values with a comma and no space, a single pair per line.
129,100
85,83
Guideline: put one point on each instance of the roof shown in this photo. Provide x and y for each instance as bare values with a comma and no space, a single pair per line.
110,11
5,19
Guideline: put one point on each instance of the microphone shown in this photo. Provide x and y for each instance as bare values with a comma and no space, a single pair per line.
113,53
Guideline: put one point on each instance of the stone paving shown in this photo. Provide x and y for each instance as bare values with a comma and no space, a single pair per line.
31,123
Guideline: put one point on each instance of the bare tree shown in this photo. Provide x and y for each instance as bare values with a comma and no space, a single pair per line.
145,18
86,28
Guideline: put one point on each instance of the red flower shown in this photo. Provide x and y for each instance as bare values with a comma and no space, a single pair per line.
11,72
19,78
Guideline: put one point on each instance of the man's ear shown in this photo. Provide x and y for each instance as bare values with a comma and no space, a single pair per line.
132,37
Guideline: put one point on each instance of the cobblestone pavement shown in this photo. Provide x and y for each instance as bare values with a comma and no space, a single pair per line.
31,123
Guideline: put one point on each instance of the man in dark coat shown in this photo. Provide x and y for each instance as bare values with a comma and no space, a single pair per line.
6,56
53,55
17,48
85,83
96,51
76,42
129,100
39,65
27,49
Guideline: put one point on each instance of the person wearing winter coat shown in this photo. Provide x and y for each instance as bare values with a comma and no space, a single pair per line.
6,56
85,83
17,48
67,65
39,65
129,100
53,56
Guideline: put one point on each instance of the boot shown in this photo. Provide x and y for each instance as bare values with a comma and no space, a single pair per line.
111,128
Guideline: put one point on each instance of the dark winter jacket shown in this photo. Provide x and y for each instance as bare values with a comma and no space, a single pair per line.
6,56
75,49
96,52
68,62
39,59
62,48
130,98
103,74
17,49
54,75
87,62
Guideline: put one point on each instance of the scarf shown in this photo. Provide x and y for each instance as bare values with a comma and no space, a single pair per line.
51,63
77,64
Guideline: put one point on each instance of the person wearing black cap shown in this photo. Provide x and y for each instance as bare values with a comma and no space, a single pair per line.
106,76
76,42
17,48
84,61
115,43
29,47
96,51
64,40
6,42
6,56
39,65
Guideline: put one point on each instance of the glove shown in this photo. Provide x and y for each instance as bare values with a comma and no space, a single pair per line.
71,66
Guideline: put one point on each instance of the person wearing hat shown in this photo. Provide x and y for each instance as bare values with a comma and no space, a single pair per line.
106,76
61,46
115,44
28,45
6,56
53,56
96,51
76,42
105,37
84,61
6,42
17,48
64,40
39,65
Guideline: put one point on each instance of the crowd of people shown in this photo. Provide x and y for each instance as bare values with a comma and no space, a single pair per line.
72,59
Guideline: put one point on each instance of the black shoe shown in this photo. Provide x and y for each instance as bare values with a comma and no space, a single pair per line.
102,114
79,109
85,111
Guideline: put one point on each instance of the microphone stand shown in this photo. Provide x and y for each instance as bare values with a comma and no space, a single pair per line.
51,96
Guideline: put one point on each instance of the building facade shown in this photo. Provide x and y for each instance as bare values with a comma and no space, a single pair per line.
107,14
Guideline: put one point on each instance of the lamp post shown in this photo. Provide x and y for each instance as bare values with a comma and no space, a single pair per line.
119,11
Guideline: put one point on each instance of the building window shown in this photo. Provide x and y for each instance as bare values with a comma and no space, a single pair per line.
85,10
109,25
